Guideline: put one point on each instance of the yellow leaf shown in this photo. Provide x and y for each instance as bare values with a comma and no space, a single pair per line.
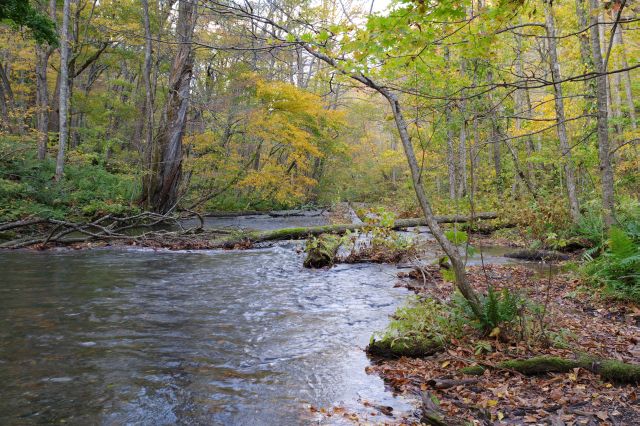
495,332
445,364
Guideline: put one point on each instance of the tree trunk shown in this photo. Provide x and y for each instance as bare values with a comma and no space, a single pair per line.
64,90
451,160
567,158
148,104
452,252
495,140
606,170
42,99
462,145
162,192
43,53
626,76
523,108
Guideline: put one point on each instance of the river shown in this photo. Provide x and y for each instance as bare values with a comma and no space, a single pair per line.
134,336
113,336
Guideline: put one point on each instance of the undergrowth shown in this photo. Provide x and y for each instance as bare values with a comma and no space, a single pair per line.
90,188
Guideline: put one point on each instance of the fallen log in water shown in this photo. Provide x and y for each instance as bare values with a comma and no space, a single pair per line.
301,233
538,255
109,228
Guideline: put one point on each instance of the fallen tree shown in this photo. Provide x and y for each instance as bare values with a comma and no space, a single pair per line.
142,229
301,233
610,370
537,255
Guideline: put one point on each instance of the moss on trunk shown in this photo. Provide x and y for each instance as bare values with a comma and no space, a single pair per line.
609,370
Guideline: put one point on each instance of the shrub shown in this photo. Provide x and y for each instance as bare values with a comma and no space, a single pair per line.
499,309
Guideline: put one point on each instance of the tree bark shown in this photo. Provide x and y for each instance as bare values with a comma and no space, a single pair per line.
166,168
626,76
495,140
454,256
42,99
462,143
451,161
64,90
523,108
148,104
606,170
565,147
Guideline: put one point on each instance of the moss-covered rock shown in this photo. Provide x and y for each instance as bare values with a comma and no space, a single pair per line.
387,348
321,251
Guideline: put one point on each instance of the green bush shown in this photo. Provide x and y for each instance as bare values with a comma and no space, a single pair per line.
499,308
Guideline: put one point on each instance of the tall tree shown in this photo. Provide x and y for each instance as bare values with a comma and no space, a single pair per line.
161,192
64,90
43,52
606,169
561,127
146,76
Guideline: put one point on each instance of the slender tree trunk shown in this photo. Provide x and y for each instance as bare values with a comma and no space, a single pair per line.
43,53
457,262
148,103
462,145
162,193
606,170
451,160
42,99
495,140
565,147
462,154
523,108
626,76
602,37
451,251
15,124
64,90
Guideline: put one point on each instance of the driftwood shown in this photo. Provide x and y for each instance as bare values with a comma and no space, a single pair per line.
108,227
538,255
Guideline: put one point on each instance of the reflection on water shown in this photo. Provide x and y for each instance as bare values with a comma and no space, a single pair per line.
142,337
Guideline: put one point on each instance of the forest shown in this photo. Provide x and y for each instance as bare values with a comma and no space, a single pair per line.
487,150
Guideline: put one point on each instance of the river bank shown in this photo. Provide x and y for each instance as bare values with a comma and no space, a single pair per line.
576,322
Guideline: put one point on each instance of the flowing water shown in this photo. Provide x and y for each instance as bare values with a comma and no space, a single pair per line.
116,336
213,337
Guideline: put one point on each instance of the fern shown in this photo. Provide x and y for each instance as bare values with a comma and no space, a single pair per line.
618,268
